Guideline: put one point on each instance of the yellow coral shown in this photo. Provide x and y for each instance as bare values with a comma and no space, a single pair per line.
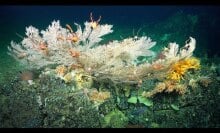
99,97
82,79
179,68
68,77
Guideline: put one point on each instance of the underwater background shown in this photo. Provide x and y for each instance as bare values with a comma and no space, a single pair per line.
163,24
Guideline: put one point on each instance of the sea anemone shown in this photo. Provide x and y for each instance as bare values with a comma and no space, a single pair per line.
26,75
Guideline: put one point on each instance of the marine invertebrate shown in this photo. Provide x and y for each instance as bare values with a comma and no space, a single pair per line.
179,68
61,70
204,81
73,36
193,83
82,79
69,77
167,86
99,97
54,46
74,53
113,61
94,24
173,53
181,88
26,75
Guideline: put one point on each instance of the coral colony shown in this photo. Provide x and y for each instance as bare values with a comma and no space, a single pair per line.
76,56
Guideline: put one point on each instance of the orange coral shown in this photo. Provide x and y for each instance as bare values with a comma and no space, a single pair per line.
166,86
179,68
75,66
74,38
170,86
181,88
74,53
157,66
61,70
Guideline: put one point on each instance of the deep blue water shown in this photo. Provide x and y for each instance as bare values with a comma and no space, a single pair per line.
16,18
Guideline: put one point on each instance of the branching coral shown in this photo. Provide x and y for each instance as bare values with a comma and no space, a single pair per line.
175,73
179,68
55,45
114,61
166,86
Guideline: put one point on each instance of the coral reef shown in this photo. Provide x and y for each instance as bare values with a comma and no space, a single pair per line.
81,83
80,49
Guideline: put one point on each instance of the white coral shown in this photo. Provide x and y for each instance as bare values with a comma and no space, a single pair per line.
90,36
51,34
114,60
188,49
57,50
173,53
119,52
32,32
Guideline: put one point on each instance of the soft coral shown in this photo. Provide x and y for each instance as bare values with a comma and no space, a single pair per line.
179,68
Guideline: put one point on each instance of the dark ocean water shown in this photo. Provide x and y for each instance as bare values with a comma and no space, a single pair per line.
16,18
